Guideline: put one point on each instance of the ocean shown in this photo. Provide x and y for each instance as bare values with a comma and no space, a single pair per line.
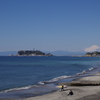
28,76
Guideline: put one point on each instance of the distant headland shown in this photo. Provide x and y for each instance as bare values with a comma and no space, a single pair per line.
32,53
93,54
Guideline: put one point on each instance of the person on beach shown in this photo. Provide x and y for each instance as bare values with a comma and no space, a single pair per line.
71,92
62,88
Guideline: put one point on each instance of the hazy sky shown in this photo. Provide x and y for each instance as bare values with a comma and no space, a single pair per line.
49,25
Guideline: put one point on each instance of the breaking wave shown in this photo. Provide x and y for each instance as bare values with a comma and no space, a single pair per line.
64,77
49,81
20,88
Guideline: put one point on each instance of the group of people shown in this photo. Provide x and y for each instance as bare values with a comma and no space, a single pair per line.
70,93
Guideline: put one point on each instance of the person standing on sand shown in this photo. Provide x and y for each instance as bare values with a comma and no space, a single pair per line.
62,88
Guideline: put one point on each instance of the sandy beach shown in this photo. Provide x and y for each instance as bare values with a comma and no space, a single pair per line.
88,92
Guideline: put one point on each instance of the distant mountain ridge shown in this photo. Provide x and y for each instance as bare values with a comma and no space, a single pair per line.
65,53
57,53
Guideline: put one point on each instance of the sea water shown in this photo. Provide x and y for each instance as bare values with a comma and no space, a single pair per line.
26,76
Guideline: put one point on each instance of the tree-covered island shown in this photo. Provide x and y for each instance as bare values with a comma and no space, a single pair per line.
32,53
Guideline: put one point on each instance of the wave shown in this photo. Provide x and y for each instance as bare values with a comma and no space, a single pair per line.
86,71
54,79
65,77
49,81
20,88
91,68
83,72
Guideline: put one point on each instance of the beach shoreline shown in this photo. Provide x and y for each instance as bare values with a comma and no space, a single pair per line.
88,92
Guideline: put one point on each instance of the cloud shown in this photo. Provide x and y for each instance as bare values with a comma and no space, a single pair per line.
92,48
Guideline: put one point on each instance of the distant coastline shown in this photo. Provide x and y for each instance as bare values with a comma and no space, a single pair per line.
49,53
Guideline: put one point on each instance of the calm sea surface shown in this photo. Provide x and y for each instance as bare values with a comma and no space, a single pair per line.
21,76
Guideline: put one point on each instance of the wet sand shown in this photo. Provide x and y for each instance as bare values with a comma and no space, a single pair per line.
88,92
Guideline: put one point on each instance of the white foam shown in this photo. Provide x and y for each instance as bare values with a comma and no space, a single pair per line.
91,68
41,83
58,78
54,79
84,71
21,88
78,73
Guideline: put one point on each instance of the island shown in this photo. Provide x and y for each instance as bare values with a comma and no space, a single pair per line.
32,53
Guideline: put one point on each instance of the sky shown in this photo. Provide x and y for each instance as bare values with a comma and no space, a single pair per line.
50,25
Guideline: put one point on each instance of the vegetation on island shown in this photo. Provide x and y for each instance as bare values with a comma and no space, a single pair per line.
93,54
32,53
